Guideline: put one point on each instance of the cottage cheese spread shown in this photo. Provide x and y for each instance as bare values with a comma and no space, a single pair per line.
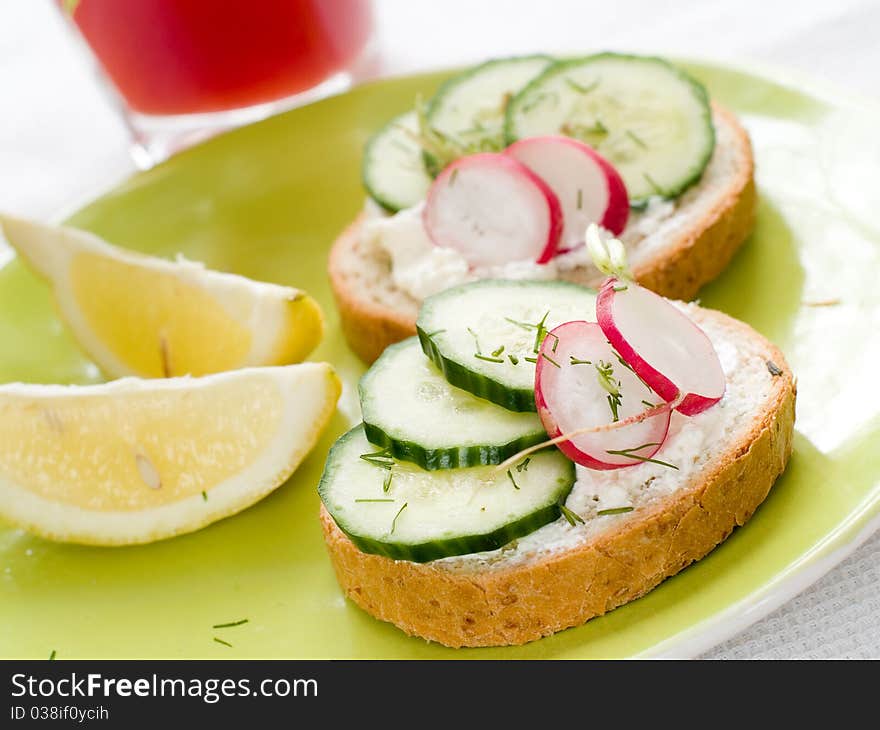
421,269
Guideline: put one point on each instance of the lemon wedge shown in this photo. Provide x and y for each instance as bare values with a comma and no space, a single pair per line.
134,460
138,315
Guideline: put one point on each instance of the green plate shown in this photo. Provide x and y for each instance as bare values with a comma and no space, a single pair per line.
267,200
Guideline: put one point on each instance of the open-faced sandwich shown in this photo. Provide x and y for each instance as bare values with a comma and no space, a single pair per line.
540,454
498,175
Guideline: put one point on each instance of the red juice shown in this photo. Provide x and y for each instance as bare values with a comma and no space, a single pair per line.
186,56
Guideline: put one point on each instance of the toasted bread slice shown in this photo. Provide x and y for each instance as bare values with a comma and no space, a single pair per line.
561,575
687,250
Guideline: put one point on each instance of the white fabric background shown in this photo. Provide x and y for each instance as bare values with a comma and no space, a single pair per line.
61,142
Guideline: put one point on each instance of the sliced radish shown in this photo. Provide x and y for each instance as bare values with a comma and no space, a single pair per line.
588,187
570,396
662,344
493,209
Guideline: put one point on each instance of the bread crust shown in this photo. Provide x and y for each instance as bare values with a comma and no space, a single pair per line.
518,604
696,256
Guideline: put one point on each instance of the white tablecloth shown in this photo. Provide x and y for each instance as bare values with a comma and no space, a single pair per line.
61,142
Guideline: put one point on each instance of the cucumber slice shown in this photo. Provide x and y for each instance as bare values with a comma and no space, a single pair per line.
462,329
424,515
469,108
651,120
393,170
410,409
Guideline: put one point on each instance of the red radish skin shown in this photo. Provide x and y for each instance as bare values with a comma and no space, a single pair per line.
588,187
493,210
662,345
568,397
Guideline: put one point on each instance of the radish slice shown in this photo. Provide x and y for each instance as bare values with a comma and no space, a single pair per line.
588,187
493,210
570,396
662,344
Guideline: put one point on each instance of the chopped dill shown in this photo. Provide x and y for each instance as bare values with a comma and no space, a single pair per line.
629,453
512,480
615,511
229,625
487,358
572,517
220,641
635,138
513,359
394,521
657,189
580,88
476,339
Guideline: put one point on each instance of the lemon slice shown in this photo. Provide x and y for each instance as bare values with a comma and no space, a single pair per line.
138,315
134,460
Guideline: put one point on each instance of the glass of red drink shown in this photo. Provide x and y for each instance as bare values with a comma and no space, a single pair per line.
184,69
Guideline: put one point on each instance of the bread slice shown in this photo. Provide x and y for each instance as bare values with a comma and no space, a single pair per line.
561,575
685,251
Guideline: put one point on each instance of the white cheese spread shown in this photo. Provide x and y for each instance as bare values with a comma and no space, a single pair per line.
421,268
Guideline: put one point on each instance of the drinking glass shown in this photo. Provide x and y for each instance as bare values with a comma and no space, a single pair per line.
181,70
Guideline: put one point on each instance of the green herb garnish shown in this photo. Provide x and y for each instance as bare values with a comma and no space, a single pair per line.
605,374
487,358
513,359
635,138
512,480
657,189
572,517
523,465
220,641
394,521
577,361
476,340
386,484
230,624
374,500
550,360
204,495
580,200
52,655
629,453
650,405
619,287
382,459
524,325
531,359
542,331
615,511
580,88
496,353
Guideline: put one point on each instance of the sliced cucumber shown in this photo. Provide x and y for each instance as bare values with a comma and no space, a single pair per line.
393,170
469,108
423,515
651,120
484,336
410,409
